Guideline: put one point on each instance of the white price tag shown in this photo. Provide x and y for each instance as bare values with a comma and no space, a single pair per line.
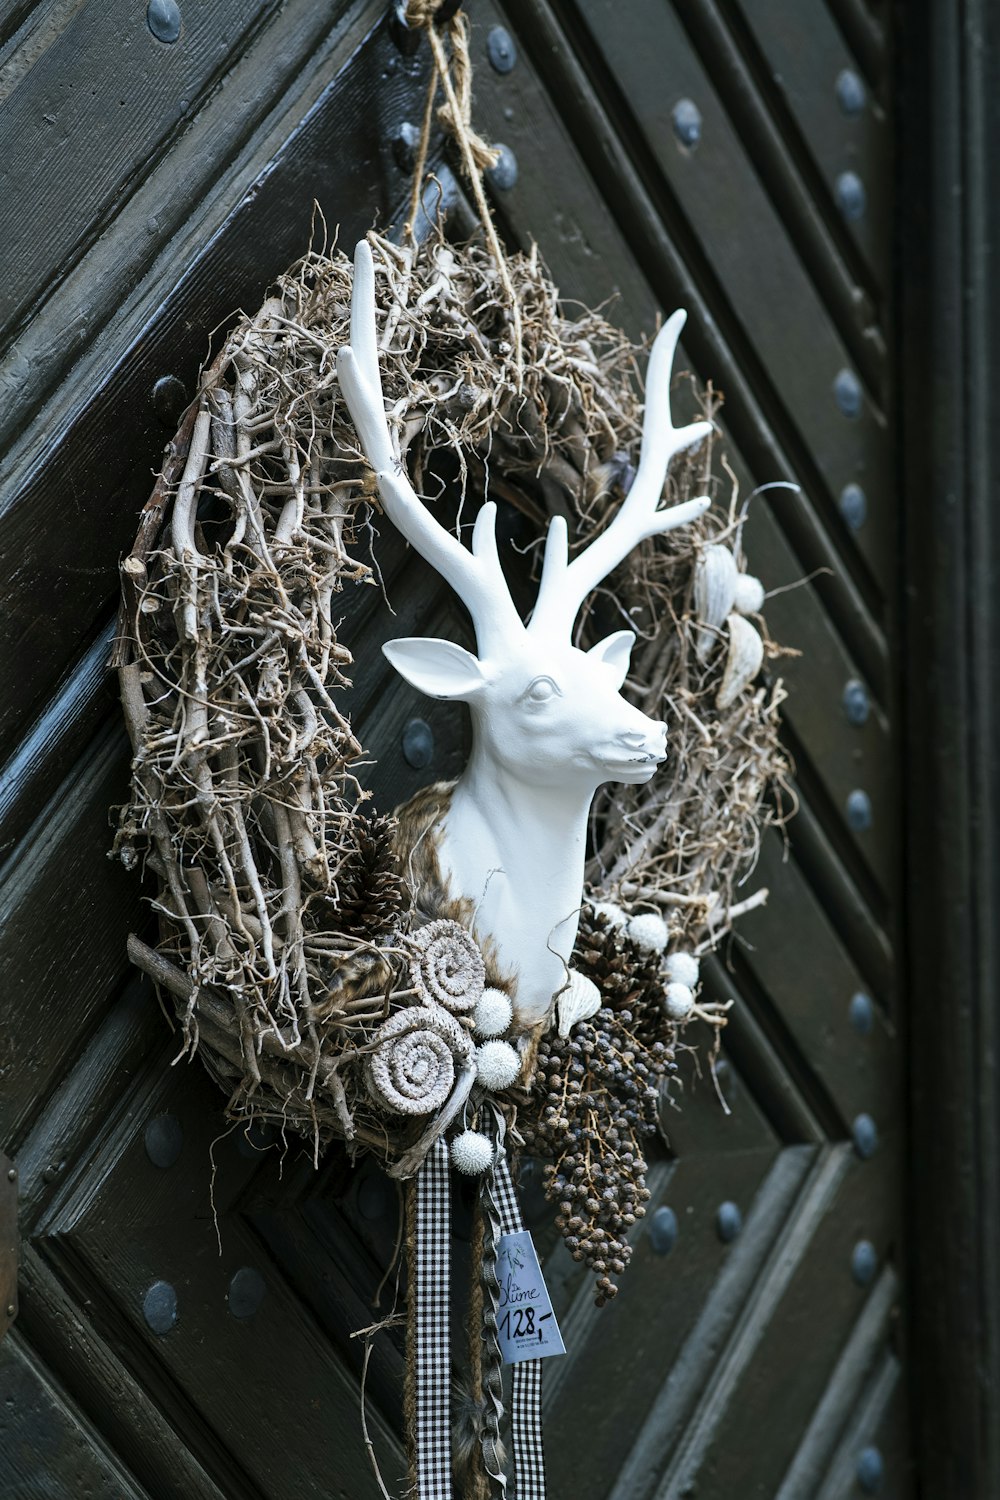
525,1321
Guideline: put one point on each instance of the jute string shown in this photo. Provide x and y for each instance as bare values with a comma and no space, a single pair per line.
453,71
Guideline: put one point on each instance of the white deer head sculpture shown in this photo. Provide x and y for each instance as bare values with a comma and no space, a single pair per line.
549,722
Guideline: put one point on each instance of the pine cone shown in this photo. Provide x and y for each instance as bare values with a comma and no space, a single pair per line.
371,891
628,977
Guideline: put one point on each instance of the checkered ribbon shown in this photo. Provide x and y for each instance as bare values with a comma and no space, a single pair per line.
433,1358
526,1379
433,1362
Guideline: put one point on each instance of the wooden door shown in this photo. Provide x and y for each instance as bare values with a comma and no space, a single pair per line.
188,1295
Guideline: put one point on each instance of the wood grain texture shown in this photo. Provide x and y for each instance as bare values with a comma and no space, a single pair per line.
75,485
951,319
65,911
758,287
756,1367
48,1450
806,54
89,118
623,194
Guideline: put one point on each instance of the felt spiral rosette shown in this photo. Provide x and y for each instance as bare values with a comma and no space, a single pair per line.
447,966
416,1053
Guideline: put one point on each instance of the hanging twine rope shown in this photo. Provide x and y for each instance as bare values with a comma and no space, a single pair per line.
453,71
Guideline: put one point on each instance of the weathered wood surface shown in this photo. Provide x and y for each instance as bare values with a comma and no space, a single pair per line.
759,1366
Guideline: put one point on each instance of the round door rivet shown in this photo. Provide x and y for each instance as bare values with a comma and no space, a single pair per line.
406,37
871,1470
687,122
864,1262
257,1138
164,1139
500,50
850,92
418,744
11,1309
375,1197
503,173
847,393
862,1013
404,145
12,1174
535,1206
851,197
856,702
663,1231
859,811
728,1222
247,1290
159,1307
163,17
169,401
853,506
864,1133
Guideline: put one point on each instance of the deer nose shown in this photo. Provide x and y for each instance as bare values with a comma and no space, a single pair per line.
632,740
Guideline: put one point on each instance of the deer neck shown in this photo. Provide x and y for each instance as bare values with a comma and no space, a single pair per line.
517,853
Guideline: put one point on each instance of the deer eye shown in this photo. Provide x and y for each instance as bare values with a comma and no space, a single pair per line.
540,691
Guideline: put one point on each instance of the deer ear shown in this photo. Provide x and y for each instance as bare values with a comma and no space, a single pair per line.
615,651
438,668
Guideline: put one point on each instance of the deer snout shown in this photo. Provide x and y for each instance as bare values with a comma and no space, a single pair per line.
653,741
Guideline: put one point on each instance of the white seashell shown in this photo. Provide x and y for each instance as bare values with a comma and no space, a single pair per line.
744,661
472,1153
715,579
493,1013
749,597
648,931
497,1065
678,1001
580,1000
682,968
613,914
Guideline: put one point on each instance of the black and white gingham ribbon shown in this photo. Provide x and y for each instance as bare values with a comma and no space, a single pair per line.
526,1379
433,1357
433,1361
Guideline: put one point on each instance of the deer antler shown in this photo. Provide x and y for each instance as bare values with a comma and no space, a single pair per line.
476,576
564,584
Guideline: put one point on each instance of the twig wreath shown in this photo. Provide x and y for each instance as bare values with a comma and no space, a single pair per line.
317,961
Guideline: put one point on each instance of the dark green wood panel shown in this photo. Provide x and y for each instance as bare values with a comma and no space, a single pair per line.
117,1401
797,1349
65,911
49,1451
582,118
788,342
68,507
807,58
86,120
603,1390
83,699
809,980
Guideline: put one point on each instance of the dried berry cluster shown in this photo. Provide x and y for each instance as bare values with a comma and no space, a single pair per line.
596,1098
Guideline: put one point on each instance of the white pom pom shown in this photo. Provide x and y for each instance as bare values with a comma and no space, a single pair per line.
682,968
678,1001
493,1013
472,1153
497,1065
607,909
648,931
749,598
